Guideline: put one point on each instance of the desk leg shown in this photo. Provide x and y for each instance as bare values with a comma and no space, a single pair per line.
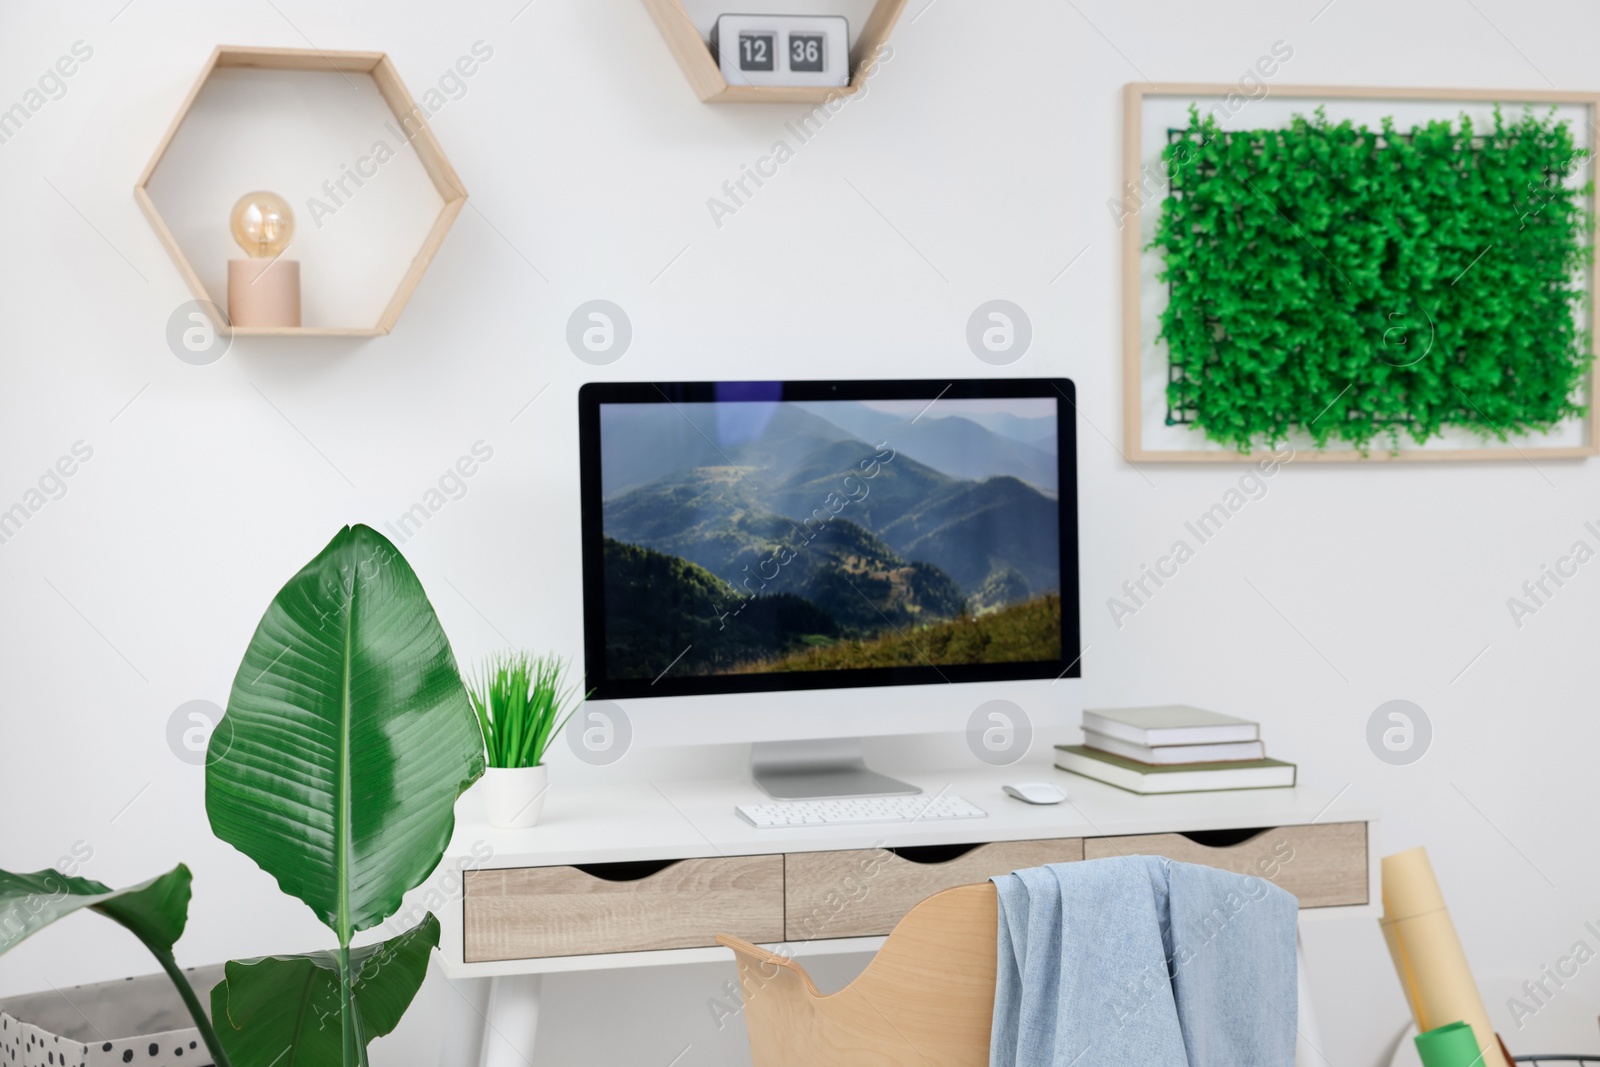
1308,1043
512,1021
463,1026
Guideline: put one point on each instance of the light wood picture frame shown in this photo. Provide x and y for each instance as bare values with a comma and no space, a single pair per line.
1144,188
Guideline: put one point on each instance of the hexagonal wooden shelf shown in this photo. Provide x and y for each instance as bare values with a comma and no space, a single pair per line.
381,70
705,77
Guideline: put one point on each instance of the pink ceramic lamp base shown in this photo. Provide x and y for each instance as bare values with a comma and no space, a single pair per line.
264,292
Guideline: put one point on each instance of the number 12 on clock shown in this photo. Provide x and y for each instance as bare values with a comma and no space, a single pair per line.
756,51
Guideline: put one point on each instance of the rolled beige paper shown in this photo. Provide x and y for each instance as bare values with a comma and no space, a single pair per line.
1427,953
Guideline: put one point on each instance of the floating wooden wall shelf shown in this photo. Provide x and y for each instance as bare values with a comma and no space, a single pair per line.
705,77
378,67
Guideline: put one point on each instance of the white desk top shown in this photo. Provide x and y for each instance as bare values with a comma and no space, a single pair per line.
680,820
683,820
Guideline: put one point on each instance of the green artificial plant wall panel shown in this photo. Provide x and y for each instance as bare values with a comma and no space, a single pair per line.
1375,285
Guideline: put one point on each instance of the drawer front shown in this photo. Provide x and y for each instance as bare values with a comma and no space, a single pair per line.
864,892
1324,864
530,912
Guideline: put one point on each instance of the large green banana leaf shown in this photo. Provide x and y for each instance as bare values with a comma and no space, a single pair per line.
155,912
348,736
286,1010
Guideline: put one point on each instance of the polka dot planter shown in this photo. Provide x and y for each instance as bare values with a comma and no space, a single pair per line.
138,1021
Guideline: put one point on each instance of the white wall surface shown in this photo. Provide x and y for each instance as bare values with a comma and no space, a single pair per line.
977,166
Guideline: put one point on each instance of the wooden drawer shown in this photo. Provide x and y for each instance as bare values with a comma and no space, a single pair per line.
1324,864
529,912
864,892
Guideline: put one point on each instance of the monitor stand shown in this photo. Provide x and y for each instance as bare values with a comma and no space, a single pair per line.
819,770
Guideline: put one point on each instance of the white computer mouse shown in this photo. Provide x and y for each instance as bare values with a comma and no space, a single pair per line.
1037,792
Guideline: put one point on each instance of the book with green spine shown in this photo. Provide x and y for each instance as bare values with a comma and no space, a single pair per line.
1147,778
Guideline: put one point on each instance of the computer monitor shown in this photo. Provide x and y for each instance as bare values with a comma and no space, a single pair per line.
823,561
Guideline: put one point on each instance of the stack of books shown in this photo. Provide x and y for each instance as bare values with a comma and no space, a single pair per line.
1173,749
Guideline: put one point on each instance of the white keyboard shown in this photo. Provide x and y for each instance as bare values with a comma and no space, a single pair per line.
859,810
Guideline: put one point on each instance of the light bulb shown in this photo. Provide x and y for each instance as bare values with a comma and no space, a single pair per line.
262,224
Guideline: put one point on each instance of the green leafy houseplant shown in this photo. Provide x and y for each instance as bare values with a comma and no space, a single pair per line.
522,704
347,739
1358,284
155,912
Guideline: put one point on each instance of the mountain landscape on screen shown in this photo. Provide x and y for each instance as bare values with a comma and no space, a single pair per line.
829,535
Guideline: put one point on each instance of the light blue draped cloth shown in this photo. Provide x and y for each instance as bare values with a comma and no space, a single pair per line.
1139,961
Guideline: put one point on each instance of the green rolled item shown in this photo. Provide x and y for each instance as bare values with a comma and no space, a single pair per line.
1451,1045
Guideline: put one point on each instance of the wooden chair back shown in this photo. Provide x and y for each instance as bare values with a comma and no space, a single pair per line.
925,1000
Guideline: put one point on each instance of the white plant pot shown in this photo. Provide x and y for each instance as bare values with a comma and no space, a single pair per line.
515,795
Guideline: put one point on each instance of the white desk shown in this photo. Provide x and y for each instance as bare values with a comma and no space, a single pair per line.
1329,849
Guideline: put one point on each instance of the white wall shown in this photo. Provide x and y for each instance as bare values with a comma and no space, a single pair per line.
978,166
